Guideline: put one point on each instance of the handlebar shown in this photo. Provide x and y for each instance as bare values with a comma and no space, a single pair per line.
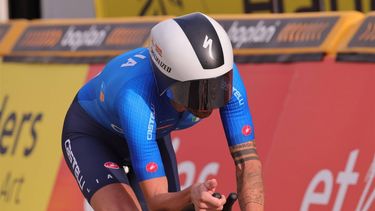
231,199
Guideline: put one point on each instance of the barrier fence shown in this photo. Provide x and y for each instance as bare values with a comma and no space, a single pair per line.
309,80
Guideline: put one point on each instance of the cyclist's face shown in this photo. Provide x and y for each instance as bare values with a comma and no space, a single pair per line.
201,113
198,113
178,107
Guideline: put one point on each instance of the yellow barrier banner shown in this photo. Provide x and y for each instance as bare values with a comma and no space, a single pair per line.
33,102
359,44
255,38
80,41
287,37
9,32
122,8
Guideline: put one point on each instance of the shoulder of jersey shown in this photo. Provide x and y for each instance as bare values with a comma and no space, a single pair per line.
133,58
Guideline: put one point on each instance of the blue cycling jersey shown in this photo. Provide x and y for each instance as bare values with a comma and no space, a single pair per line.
124,99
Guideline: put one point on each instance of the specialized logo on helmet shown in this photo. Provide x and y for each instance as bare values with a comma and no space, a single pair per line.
151,167
208,43
158,50
246,130
111,165
160,63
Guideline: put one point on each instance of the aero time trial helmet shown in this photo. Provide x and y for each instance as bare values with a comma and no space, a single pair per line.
192,60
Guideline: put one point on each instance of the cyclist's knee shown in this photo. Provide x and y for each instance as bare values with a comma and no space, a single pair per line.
117,206
115,197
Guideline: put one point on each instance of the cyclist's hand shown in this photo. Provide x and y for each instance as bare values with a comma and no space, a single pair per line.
201,196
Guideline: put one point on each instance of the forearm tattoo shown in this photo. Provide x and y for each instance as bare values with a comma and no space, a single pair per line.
249,181
244,152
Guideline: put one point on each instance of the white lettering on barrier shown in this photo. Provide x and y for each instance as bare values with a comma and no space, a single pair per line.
344,179
210,169
188,168
260,33
75,39
312,197
371,198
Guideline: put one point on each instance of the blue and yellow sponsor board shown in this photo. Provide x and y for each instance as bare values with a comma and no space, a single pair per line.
123,8
359,44
80,41
287,37
9,32
255,38
33,102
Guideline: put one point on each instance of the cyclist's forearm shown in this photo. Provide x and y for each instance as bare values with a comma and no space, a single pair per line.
249,176
158,198
250,186
170,201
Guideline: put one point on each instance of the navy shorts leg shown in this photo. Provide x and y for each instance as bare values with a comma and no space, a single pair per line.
92,164
96,156
89,152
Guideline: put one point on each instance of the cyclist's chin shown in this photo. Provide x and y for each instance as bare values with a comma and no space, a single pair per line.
201,113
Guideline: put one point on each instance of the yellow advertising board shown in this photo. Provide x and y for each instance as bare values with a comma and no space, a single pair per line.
9,32
33,102
122,8
80,41
255,38
359,43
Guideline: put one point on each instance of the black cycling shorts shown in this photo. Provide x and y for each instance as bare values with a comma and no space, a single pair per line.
97,157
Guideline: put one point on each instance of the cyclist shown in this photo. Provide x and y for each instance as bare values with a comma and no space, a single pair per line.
124,117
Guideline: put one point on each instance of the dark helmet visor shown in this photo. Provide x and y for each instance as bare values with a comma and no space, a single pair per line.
204,94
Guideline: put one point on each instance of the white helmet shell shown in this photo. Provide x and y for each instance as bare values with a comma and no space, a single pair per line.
192,60
172,49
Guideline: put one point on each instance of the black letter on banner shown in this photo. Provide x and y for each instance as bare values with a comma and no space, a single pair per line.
25,118
145,8
274,6
316,5
7,130
3,149
34,135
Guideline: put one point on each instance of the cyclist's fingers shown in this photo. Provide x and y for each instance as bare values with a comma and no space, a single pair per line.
208,206
210,184
212,202
205,207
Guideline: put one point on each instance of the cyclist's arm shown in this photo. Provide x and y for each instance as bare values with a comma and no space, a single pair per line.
157,196
249,176
200,194
239,130
138,121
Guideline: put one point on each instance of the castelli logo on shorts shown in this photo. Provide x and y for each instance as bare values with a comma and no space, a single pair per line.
111,165
152,167
246,130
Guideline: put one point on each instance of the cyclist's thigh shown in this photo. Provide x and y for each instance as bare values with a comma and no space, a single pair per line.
90,158
92,164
